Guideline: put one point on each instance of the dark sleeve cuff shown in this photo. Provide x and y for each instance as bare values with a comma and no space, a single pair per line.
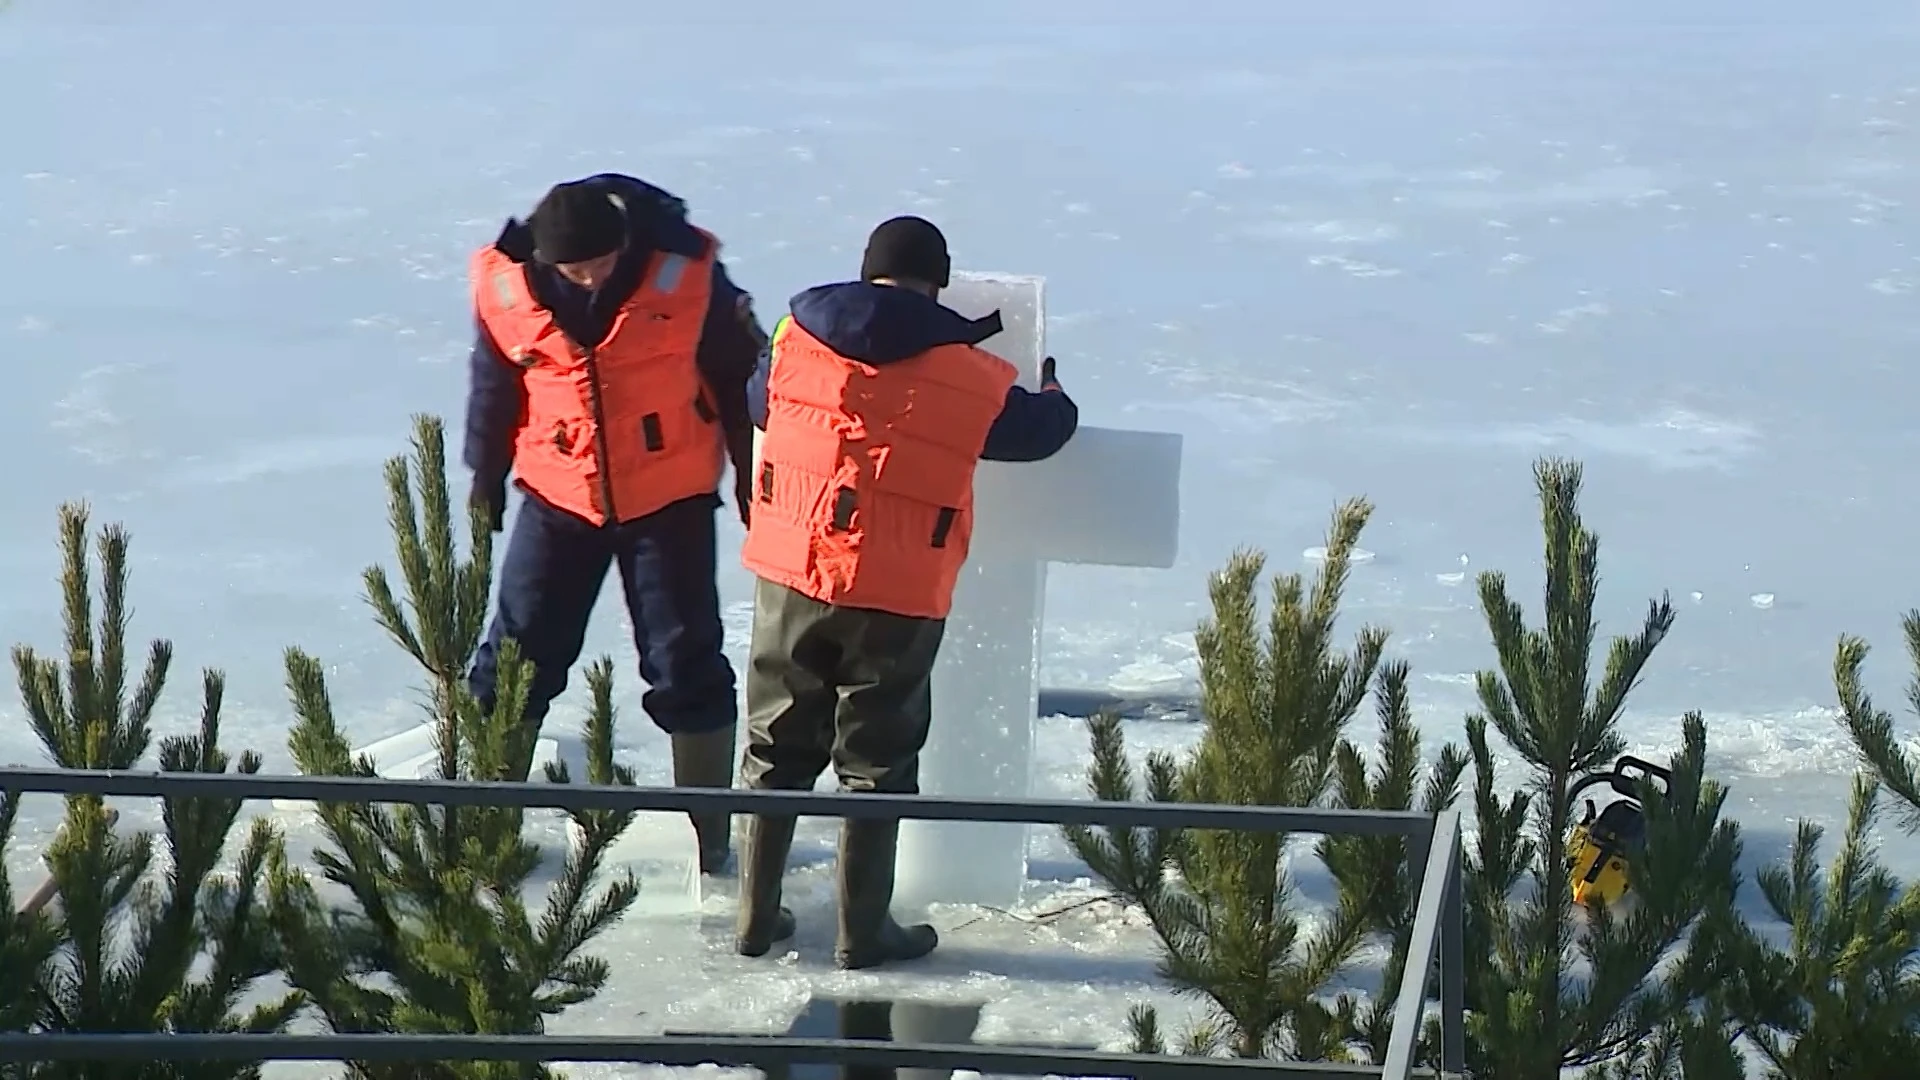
730,345
1031,426
496,401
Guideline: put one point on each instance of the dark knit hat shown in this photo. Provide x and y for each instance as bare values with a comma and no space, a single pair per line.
576,222
908,248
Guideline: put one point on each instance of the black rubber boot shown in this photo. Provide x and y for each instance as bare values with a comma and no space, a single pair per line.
706,760
763,921
869,937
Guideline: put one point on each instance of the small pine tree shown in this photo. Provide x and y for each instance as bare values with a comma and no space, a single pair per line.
27,943
1275,702
1872,729
1529,1016
437,936
149,939
1375,872
1693,1044
1842,1000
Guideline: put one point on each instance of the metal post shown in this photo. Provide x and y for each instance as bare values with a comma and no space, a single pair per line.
1420,847
1409,1011
1453,973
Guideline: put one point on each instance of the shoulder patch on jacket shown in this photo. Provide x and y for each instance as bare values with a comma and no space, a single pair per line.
667,277
503,288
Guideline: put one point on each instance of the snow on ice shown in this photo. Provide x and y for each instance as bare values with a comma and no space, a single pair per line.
1385,248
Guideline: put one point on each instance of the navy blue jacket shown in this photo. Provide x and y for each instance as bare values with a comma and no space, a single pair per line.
882,324
730,343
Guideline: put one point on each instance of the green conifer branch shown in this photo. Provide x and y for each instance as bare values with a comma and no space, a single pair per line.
438,935
175,908
1842,998
1277,693
1871,728
1143,1025
1378,884
27,940
1529,1016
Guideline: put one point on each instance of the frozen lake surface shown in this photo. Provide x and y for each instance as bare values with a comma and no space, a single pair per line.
1396,251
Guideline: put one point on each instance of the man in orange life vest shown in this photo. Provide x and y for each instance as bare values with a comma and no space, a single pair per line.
877,402
609,375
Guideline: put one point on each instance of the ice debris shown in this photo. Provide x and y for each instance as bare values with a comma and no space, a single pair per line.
1319,554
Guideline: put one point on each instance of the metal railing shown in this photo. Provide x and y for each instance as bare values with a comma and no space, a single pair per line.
1433,843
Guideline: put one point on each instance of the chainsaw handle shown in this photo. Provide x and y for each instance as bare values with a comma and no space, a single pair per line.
1587,781
1622,778
1625,768
1628,761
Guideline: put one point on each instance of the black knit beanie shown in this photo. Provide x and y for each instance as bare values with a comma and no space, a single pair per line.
907,248
577,222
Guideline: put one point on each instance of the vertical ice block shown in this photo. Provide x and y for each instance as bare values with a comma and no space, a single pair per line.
985,685
1111,497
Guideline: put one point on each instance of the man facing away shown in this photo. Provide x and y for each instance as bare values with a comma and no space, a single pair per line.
609,376
877,402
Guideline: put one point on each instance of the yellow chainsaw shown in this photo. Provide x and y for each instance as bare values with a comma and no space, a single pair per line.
1607,837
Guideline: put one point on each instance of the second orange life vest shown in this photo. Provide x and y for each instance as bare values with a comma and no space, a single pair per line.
616,432
864,496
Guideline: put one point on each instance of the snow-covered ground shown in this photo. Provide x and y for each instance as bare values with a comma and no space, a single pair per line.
1395,249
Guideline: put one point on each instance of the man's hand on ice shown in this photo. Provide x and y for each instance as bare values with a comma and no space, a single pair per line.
743,495
491,496
1047,377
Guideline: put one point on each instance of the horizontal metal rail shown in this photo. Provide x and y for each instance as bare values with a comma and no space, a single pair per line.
1433,844
737,1050
376,789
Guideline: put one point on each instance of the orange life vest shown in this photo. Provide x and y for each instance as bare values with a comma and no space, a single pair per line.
865,488
619,431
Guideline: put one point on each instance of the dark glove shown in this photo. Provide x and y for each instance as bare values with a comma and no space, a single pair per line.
491,496
743,495
1047,378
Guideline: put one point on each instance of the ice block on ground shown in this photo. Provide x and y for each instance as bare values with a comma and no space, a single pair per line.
405,755
660,850
658,847
410,755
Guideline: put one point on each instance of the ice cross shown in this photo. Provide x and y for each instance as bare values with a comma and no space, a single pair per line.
1112,498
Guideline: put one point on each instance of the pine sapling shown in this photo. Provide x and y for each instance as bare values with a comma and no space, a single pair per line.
1874,739
1274,700
1691,1044
1842,999
437,935
1375,874
27,943
1529,1016
150,939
